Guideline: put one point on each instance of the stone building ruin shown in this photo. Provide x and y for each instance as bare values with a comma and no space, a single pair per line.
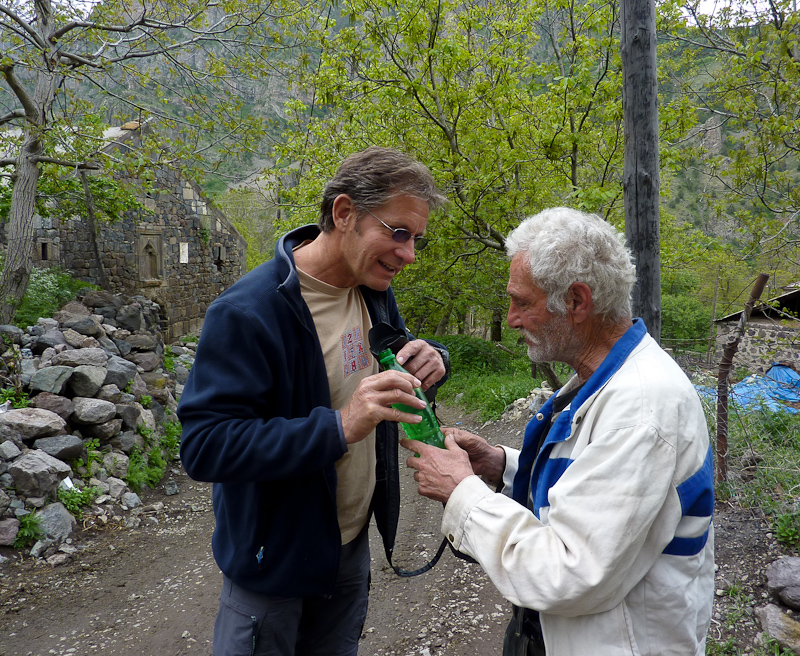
178,251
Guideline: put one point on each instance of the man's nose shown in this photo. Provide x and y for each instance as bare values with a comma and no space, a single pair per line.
512,317
406,251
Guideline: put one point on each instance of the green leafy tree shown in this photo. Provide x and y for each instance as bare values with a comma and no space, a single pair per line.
183,67
740,70
515,106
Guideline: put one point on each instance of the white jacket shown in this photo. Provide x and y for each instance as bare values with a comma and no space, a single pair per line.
617,551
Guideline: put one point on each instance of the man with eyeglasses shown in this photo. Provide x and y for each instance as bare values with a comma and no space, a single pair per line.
285,411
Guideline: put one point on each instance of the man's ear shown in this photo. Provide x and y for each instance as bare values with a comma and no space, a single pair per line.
343,211
580,304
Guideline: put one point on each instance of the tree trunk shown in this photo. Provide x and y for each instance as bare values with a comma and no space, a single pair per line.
441,327
497,326
19,252
20,232
640,180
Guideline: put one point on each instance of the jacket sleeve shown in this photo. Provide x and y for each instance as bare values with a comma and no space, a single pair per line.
239,404
611,514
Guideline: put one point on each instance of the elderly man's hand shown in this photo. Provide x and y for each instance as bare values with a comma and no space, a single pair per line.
422,360
438,471
487,461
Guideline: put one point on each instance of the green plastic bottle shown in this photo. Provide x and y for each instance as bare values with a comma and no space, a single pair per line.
428,429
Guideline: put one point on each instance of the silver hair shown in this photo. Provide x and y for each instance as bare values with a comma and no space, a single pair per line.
373,177
563,246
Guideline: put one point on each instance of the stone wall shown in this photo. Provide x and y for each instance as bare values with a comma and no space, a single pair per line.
765,342
178,250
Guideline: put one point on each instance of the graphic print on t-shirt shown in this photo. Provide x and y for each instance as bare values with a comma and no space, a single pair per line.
354,352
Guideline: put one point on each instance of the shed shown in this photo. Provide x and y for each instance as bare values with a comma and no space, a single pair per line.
772,334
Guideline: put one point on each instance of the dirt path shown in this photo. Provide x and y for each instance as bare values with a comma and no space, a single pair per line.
152,590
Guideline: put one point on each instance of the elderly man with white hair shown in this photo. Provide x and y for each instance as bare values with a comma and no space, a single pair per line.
600,530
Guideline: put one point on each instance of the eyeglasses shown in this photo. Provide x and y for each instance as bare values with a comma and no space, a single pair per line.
401,235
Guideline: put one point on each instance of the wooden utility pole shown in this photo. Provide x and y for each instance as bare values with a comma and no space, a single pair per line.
640,179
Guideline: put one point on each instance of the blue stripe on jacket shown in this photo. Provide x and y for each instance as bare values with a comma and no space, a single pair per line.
539,467
696,494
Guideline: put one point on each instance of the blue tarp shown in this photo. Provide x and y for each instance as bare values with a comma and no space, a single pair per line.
773,390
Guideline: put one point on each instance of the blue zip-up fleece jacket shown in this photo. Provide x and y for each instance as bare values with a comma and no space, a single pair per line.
257,422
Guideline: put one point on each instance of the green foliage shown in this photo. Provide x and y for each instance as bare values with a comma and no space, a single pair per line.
48,290
190,338
205,235
146,400
30,530
685,323
145,470
18,397
74,499
486,378
787,529
171,440
169,361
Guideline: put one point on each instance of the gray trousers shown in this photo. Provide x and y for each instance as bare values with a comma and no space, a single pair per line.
250,624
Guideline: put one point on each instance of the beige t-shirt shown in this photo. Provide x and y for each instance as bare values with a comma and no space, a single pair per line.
342,324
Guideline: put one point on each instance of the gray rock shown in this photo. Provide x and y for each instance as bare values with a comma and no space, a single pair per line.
50,339
120,372
58,559
116,464
83,325
8,531
95,357
783,581
116,487
56,521
93,411
76,340
170,488
48,323
181,374
146,417
109,393
31,423
122,346
102,485
127,440
12,332
51,379
143,342
108,346
129,414
130,317
779,626
87,380
101,298
131,499
105,431
147,360
61,405
37,473
5,502
9,450
63,447
139,386
10,435
38,549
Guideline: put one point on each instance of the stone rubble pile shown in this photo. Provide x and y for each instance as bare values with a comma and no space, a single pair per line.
779,619
95,377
